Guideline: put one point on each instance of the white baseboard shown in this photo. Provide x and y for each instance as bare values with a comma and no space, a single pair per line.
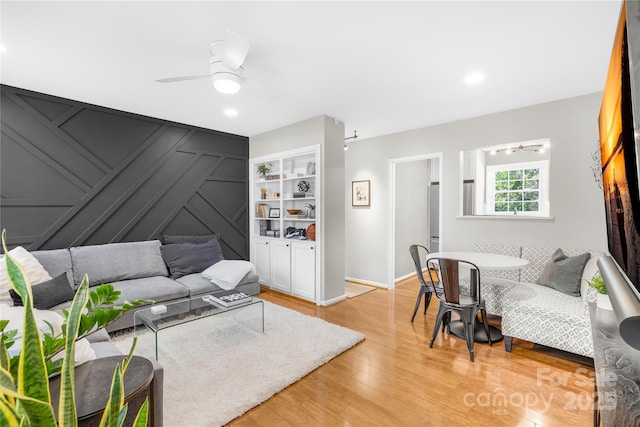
332,301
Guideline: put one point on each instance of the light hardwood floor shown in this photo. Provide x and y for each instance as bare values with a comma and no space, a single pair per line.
393,378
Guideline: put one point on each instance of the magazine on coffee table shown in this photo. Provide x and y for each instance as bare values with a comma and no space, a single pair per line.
230,298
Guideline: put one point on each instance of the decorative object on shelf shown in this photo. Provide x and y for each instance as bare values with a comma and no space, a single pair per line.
261,210
272,177
299,195
361,193
311,232
264,169
274,213
293,211
263,193
298,233
303,186
311,210
311,168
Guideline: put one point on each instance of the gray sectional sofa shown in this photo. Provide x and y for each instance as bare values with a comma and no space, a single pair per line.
537,313
136,269
139,271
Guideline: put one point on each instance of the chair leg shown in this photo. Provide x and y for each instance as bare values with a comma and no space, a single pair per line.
415,309
469,330
442,312
485,322
508,342
427,300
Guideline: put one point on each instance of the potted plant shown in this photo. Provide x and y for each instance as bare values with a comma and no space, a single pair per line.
602,298
24,379
264,169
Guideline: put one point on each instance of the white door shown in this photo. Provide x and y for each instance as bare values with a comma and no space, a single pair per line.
303,270
280,265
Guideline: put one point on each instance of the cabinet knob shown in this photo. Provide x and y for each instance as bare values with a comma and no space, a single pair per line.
287,245
311,248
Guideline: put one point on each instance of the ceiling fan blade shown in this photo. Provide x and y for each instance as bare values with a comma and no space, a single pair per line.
234,49
183,78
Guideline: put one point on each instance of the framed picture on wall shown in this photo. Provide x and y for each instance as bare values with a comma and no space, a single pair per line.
361,193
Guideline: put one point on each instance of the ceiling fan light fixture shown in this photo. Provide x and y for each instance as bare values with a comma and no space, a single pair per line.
226,83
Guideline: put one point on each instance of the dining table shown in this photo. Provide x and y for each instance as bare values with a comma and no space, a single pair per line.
484,261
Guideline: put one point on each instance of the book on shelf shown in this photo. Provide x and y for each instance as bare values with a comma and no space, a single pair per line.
230,298
262,210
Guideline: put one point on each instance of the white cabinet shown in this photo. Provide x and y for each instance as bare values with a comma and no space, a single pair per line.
286,198
303,270
272,259
260,256
280,265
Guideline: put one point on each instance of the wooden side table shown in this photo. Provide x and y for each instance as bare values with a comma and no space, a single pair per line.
93,383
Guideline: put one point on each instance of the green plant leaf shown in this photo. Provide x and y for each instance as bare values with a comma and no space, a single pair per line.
143,415
67,414
34,399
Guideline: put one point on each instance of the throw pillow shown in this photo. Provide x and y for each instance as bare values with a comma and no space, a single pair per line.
35,272
48,294
188,258
190,239
228,273
564,273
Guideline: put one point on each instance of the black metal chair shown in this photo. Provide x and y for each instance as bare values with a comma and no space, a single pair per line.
419,254
447,289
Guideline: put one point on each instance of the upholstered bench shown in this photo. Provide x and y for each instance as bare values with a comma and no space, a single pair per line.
539,313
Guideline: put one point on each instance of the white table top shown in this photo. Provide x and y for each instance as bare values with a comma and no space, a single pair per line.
484,260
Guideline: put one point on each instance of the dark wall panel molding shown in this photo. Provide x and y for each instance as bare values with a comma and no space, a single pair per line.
77,174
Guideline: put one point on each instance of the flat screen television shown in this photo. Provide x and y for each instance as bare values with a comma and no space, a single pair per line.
619,128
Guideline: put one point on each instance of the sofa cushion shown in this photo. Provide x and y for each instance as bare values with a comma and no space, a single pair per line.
199,285
48,294
117,261
156,288
187,258
190,239
36,273
538,258
490,248
548,317
56,261
564,273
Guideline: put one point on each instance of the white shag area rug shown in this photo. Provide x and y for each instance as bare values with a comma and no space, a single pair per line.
216,369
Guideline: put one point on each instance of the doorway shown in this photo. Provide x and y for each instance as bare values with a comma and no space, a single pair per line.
415,201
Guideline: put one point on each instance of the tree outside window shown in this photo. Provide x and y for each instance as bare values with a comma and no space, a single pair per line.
518,189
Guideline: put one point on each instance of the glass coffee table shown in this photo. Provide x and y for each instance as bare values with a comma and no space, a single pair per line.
159,317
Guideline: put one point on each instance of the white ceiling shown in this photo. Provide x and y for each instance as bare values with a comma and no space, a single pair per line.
380,67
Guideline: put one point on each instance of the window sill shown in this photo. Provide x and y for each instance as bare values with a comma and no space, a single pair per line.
507,217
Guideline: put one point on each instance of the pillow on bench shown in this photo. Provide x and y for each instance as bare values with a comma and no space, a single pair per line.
563,273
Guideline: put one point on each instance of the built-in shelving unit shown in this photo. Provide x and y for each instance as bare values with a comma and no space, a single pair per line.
285,199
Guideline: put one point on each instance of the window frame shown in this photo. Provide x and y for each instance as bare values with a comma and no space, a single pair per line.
543,187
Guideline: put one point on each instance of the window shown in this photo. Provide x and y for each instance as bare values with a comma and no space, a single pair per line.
518,189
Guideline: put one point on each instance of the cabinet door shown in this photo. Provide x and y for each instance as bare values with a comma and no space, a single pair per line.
303,270
262,260
280,265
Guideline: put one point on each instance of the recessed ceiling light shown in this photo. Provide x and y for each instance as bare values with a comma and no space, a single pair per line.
230,112
474,78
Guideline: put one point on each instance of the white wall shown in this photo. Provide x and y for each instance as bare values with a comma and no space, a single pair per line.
576,202
411,213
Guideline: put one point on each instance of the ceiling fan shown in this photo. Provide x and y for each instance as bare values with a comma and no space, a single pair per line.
225,64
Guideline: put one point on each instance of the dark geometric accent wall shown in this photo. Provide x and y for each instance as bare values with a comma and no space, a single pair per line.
78,174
